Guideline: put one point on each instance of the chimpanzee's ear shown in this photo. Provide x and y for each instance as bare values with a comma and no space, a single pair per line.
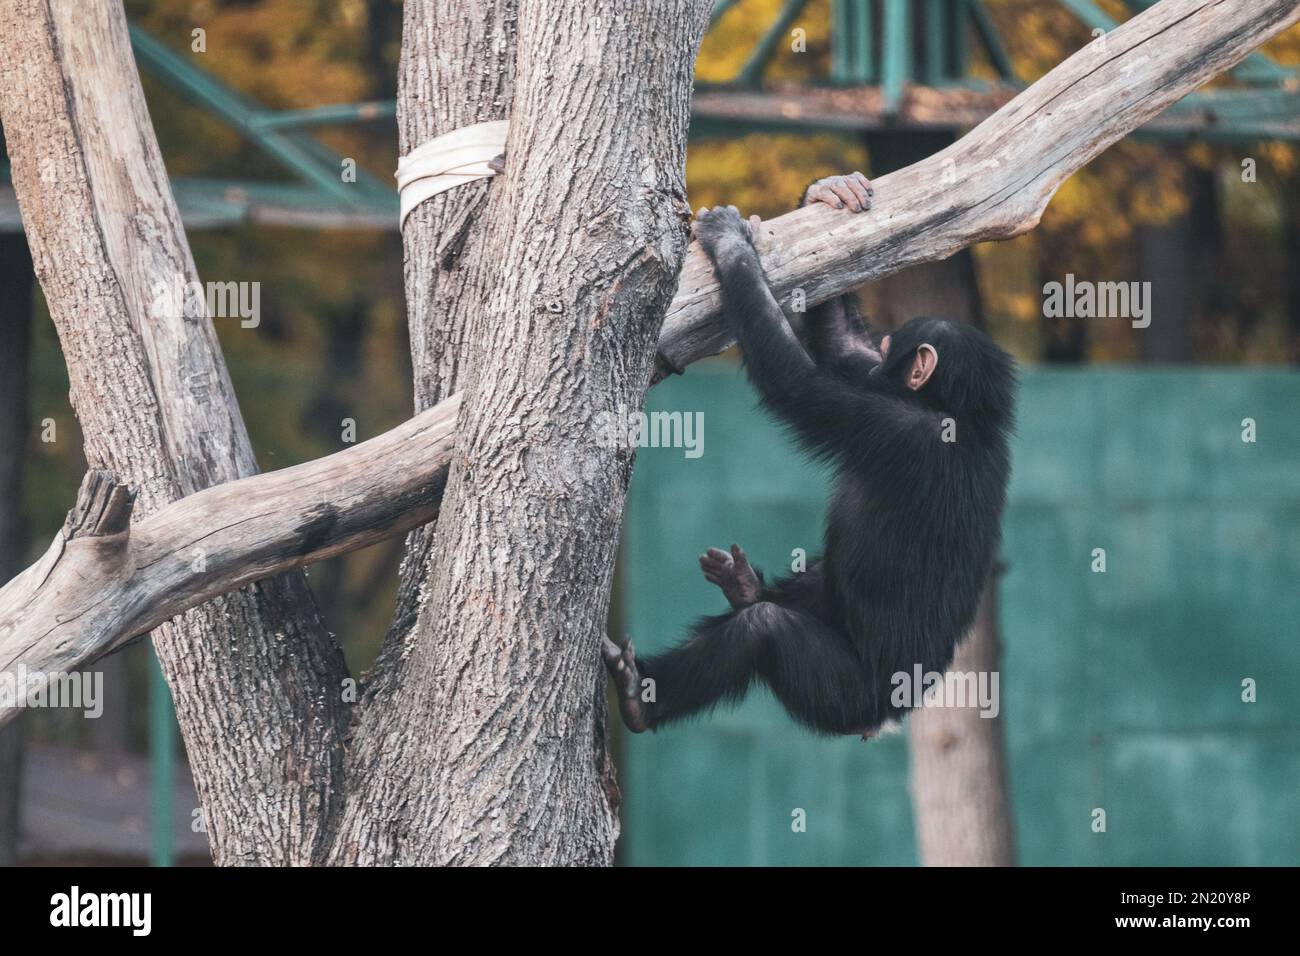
923,366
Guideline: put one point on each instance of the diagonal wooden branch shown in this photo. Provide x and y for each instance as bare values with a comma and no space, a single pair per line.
995,182
102,581
87,596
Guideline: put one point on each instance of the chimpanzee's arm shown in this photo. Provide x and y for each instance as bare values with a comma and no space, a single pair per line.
838,340
836,336
833,416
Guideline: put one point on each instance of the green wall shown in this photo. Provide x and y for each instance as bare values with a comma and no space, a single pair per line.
1120,690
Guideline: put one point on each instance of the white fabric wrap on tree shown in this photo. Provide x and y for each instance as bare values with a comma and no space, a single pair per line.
449,160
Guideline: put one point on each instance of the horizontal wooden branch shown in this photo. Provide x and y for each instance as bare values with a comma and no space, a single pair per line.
98,585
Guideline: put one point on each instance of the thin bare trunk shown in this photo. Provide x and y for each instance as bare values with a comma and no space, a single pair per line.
255,675
16,282
959,766
958,758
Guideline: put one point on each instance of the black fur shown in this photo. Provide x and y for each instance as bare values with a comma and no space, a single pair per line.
914,522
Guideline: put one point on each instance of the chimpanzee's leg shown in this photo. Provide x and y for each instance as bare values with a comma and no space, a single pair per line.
811,667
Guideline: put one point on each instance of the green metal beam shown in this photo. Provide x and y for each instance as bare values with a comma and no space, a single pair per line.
752,71
862,41
162,758
839,42
896,53
988,34
851,41
296,151
1243,115
938,35
332,115
960,40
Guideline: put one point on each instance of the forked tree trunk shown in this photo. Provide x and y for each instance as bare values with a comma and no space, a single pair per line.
959,766
501,755
457,69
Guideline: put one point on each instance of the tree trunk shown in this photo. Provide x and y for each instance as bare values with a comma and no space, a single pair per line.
457,69
959,779
1166,257
959,766
255,676
16,282
502,756
1064,338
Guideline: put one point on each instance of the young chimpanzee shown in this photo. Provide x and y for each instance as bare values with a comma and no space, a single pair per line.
917,432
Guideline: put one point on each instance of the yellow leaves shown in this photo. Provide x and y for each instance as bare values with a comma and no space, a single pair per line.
1024,306
765,173
1283,158
729,44
1158,197
282,52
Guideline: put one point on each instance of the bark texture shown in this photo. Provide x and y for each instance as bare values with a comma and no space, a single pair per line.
502,709
255,675
457,69
16,282
959,767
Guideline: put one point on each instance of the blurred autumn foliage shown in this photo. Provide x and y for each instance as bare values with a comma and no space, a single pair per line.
332,342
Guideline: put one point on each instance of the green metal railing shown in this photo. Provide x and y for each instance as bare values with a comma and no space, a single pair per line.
873,42
162,766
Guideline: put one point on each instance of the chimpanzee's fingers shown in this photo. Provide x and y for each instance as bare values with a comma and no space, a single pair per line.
858,184
820,192
840,186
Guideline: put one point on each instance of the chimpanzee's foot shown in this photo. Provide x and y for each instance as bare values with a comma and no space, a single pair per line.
621,664
733,574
